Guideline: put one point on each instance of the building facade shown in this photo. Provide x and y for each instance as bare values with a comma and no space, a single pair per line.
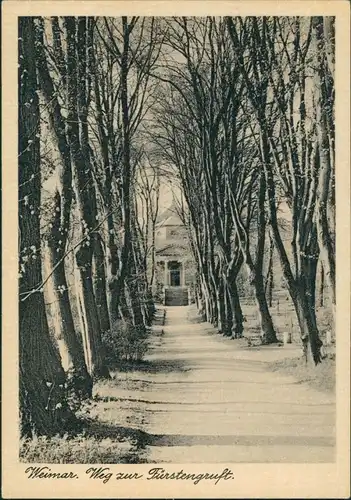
175,267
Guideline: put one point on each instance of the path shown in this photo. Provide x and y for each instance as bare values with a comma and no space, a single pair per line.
206,400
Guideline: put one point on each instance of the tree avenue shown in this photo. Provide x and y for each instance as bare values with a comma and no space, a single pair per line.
237,114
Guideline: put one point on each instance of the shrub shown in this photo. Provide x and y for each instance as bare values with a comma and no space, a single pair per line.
125,342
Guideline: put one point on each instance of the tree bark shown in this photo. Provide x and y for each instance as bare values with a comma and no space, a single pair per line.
126,169
85,198
309,332
236,311
268,333
270,274
255,271
42,399
321,286
324,150
78,379
72,356
223,324
111,249
100,284
91,333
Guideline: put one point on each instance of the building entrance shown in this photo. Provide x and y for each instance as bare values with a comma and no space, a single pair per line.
174,273
175,277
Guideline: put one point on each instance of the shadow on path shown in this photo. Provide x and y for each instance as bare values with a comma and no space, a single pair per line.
143,439
157,366
237,440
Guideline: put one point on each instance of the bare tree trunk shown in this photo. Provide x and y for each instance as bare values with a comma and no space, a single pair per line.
126,170
206,303
236,311
100,284
85,199
42,399
309,332
136,297
305,308
270,274
329,40
233,299
153,251
93,349
325,169
71,352
255,271
111,251
228,309
222,323
321,286
268,333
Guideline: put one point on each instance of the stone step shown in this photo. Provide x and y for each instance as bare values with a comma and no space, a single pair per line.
176,296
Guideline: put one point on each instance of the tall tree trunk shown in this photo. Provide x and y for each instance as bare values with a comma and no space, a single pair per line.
135,296
72,356
206,303
308,331
111,250
321,286
329,40
56,233
255,271
228,308
233,298
100,284
325,169
153,249
237,315
270,274
126,169
307,285
42,400
222,325
267,328
91,332
85,197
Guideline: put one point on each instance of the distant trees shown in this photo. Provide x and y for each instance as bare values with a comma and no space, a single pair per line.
283,58
147,194
247,120
122,96
211,157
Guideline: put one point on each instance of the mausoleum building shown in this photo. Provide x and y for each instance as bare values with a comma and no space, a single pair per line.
175,267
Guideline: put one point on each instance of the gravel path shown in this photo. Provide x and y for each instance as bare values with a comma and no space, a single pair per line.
203,399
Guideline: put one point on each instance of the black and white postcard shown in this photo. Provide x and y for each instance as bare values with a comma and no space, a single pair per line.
176,249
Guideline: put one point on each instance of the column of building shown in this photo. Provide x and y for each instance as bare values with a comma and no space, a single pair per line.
166,273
